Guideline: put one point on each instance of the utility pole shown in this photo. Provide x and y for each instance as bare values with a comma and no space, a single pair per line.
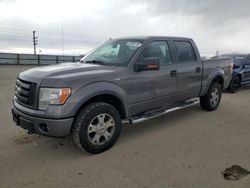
62,42
35,41
217,53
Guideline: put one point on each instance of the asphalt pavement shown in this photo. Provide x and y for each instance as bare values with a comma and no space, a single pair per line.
189,148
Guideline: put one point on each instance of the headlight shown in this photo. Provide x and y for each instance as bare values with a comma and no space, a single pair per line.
57,96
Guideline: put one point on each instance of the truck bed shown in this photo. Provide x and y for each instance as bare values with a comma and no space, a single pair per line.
216,66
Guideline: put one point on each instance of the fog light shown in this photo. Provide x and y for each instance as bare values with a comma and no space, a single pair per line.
43,127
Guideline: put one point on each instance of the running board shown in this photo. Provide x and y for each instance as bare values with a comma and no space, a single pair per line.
150,115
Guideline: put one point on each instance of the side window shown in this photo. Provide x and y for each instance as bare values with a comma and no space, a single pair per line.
157,49
185,51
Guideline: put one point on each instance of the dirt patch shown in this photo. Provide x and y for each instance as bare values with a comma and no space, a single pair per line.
24,140
56,145
235,173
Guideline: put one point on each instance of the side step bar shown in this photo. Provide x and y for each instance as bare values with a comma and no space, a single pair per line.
147,116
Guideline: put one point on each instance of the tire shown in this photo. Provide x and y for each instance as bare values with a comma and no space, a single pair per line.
96,127
234,85
211,100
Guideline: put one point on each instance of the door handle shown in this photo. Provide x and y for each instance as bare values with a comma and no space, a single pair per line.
198,70
173,73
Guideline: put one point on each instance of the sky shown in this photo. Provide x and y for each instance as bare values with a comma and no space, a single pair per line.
75,27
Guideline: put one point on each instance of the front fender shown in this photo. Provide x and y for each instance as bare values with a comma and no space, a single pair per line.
89,91
237,72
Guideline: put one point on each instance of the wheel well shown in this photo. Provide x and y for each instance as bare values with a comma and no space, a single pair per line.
110,99
219,80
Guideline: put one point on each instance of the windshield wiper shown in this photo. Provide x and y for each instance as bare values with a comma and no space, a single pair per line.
96,62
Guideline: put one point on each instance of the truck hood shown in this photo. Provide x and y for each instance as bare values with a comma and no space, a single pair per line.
64,70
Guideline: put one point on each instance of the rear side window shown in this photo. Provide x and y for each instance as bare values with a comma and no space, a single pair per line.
185,51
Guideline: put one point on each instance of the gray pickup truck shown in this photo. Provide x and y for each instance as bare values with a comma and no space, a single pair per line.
125,80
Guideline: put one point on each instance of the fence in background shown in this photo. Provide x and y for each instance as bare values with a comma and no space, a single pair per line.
30,59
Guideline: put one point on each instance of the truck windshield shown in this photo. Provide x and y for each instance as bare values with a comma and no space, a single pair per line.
237,59
114,52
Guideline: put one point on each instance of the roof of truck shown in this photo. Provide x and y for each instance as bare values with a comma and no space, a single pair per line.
154,37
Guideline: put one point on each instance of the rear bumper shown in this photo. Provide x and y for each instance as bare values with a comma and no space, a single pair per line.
43,126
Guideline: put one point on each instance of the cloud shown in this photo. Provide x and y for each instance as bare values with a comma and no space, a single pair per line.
211,10
215,25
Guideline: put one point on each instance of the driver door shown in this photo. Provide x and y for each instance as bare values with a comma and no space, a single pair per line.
153,89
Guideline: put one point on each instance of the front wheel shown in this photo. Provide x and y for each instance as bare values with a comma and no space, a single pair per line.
211,100
234,84
97,127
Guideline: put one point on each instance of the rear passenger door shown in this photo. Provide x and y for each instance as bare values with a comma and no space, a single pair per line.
189,70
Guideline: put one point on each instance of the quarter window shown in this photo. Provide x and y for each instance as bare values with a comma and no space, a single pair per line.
185,51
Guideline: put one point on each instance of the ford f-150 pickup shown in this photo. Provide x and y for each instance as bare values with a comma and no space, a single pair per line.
125,80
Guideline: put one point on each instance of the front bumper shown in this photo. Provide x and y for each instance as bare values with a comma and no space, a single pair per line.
43,126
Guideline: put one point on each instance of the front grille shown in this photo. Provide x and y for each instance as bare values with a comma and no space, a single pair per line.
25,92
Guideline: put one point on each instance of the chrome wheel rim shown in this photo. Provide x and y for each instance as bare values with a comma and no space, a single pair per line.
215,97
101,129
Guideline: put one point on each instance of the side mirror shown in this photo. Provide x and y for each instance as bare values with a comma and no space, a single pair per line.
148,64
235,66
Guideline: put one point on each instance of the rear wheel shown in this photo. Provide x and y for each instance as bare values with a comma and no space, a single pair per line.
234,84
211,100
97,127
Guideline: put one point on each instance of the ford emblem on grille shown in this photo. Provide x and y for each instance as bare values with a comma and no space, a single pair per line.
18,90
